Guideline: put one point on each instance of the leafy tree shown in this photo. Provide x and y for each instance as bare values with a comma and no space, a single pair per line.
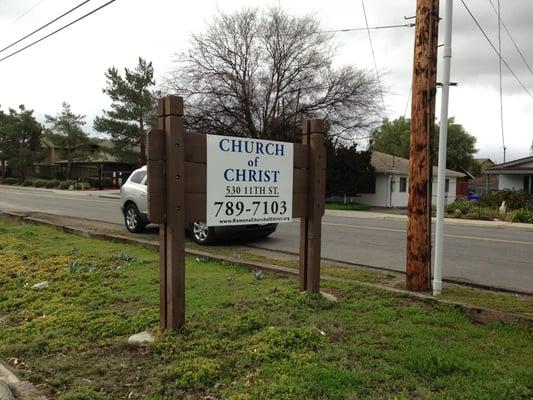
20,139
67,133
259,73
460,149
348,171
393,137
132,110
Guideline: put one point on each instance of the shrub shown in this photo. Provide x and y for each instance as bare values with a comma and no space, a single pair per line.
66,184
462,205
514,200
471,210
39,182
520,216
83,185
52,183
27,182
11,181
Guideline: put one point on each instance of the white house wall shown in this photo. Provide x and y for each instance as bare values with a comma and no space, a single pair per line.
513,182
399,199
381,197
385,198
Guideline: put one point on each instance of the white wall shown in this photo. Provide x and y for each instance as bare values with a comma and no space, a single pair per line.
399,199
381,197
384,198
513,182
450,196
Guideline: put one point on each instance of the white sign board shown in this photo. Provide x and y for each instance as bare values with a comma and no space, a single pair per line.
249,181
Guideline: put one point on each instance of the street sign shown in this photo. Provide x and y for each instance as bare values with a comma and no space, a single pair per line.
249,181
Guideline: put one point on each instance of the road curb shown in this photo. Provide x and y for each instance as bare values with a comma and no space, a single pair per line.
394,271
109,196
447,220
476,313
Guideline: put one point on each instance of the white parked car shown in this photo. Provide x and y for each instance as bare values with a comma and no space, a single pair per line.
134,207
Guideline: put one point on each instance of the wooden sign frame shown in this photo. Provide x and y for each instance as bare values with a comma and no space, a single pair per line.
177,187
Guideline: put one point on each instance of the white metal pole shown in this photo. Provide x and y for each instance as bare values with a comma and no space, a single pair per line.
443,140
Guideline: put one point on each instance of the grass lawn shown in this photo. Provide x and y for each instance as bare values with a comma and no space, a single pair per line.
347,206
501,301
246,338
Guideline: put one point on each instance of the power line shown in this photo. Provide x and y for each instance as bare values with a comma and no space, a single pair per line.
370,28
373,56
511,37
45,25
58,30
495,50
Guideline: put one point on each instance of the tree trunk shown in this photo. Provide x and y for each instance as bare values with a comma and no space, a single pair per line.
422,122
3,170
142,144
68,162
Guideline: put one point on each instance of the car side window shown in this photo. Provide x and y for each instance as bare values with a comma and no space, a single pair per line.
138,176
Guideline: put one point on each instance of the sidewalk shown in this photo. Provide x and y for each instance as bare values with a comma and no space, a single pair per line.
448,221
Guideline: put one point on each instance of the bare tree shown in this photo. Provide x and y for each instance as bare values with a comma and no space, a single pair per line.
258,74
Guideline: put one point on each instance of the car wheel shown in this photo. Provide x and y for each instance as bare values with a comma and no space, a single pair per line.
132,219
201,233
265,235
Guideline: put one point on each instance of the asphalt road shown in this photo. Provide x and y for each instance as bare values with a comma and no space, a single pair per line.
486,255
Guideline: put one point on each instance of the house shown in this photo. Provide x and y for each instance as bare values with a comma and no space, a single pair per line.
514,175
96,164
484,183
484,163
392,182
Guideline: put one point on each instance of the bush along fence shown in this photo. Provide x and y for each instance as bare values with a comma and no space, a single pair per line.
107,180
102,176
518,207
69,184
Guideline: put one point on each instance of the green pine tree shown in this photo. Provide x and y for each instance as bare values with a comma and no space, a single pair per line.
132,110
67,133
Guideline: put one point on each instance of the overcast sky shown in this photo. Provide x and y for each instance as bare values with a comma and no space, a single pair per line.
70,65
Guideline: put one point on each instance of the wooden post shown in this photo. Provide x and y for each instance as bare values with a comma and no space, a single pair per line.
175,228
316,202
163,222
157,208
418,266
304,223
166,203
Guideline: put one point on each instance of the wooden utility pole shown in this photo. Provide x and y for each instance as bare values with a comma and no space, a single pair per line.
422,127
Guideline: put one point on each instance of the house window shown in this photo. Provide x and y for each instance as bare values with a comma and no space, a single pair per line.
403,185
447,185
